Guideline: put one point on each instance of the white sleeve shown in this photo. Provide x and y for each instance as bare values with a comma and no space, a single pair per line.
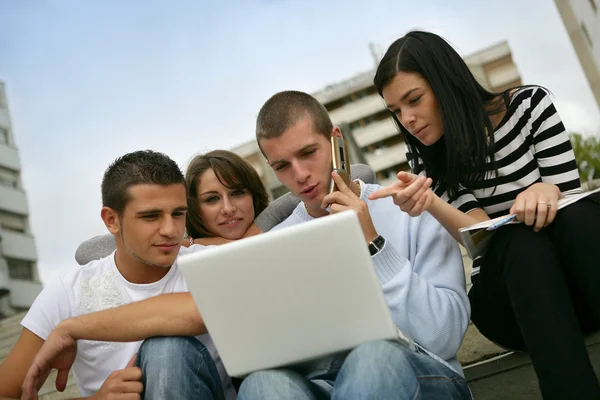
52,306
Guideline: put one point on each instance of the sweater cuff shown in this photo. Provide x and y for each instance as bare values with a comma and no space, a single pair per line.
388,263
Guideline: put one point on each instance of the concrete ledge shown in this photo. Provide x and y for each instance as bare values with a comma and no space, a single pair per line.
511,375
476,348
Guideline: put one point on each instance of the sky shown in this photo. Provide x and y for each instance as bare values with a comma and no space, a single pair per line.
89,81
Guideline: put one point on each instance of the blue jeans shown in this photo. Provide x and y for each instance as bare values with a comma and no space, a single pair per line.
374,370
178,368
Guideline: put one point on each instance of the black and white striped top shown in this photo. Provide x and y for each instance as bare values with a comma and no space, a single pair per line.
531,146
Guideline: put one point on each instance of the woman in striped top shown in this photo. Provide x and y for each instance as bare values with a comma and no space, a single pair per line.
478,155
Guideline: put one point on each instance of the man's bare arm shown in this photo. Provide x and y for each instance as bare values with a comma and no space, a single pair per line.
17,362
173,314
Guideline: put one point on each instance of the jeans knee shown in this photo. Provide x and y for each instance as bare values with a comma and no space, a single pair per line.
376,358
173,353
177,367
377,370
168,349
271,384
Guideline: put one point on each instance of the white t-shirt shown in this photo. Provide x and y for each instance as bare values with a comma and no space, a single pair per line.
98,286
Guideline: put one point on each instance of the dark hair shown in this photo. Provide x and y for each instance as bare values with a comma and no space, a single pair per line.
460,156
284,109
233,172
139,167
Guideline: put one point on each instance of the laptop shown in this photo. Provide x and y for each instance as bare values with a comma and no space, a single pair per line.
290,295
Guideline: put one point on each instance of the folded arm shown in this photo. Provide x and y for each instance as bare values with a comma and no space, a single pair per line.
173,314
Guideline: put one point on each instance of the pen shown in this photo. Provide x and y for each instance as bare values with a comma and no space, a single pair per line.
502,222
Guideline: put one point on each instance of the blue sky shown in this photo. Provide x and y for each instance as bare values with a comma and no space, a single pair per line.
89,81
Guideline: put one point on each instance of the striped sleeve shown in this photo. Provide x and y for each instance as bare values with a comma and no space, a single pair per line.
553,150
415,163
463,200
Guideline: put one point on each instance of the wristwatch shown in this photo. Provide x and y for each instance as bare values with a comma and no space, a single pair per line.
376,245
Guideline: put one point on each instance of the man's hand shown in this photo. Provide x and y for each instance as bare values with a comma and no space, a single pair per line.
537,204
345,199
123,384
411,193
57,352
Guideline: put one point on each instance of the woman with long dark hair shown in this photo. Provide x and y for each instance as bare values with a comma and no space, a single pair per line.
477,155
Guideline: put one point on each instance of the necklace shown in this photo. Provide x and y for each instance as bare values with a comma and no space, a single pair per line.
308,212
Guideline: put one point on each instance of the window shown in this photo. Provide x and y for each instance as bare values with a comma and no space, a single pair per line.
20,269
8,178
586,34
8,182
12,222
3,135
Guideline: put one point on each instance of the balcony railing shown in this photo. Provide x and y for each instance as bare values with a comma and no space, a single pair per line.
18,245
375,132
387,157
13,200
9,157
354,111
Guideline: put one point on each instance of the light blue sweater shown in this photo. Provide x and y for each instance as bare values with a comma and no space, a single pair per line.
421,273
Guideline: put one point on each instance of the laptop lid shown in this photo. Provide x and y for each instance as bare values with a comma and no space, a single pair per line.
289,295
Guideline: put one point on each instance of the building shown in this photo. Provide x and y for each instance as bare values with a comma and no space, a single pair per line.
19,280
582,22
357,108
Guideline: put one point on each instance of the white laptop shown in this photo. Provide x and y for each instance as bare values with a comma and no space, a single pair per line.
290,295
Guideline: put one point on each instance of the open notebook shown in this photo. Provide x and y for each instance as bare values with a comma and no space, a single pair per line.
476,237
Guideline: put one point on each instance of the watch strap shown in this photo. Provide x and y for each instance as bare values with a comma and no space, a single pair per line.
376,245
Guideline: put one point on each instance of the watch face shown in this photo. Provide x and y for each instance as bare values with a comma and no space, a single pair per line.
379,241
376,245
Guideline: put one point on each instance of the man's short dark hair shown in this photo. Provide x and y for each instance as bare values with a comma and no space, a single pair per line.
284,109
139,167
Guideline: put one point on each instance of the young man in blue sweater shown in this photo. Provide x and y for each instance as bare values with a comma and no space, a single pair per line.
418,264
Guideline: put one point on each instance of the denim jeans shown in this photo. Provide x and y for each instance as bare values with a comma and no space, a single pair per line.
178,368
374,370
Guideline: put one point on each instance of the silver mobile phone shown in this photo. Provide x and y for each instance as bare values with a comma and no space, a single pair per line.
340,161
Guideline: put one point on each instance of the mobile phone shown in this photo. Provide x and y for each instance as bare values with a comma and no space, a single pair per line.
340,161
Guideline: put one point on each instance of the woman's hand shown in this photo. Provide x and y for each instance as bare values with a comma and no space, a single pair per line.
411,193
537,205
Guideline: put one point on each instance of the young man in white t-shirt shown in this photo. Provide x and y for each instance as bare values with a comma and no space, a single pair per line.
144,207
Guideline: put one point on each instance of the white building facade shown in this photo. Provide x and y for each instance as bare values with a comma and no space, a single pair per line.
582,21
19,279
